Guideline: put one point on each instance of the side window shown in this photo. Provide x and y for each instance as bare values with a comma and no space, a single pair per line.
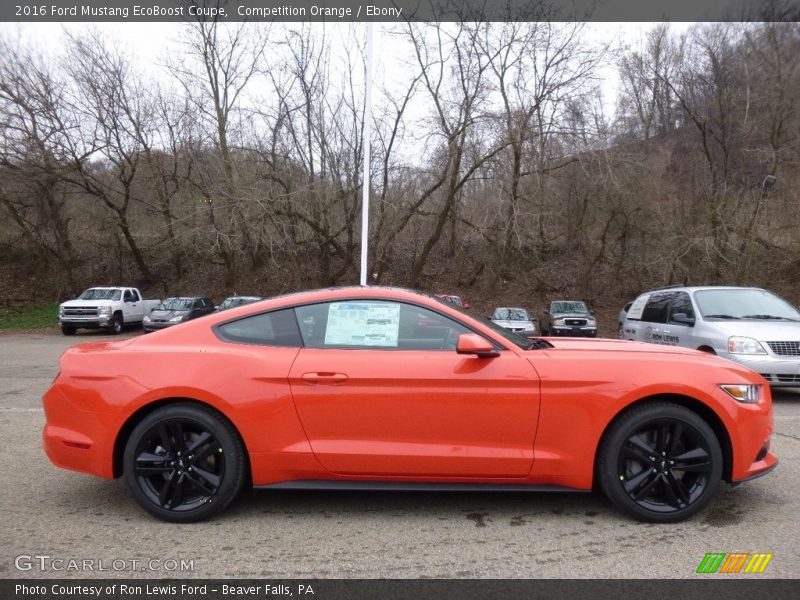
277,328
376,324
134,295
127,296
657,308
681,304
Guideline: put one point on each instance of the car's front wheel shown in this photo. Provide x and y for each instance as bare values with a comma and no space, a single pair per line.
115,325
184,463
660,462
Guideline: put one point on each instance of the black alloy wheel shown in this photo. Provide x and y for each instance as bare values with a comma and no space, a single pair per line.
660,462
184,463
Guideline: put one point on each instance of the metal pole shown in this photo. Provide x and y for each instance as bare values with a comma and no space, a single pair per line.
365,179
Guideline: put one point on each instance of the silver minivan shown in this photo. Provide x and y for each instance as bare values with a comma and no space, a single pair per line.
751,326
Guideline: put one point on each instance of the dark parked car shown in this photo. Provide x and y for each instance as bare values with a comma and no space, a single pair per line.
234,301
177,310
453,299
568,317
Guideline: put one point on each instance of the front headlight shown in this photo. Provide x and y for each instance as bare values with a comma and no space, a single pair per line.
591,322
104,310
558,321
176,319
747,393
744,345
146,319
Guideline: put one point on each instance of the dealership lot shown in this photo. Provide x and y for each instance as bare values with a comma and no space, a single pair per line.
71,517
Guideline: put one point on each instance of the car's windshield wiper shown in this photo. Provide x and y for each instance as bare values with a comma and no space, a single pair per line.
768,317
721,317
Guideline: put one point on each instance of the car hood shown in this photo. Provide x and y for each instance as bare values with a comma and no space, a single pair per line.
763,331
508,324
85,303
166,315
619,346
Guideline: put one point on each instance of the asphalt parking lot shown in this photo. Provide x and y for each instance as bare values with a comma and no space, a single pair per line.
67,516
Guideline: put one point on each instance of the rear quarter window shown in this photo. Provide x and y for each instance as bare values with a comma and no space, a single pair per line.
278,328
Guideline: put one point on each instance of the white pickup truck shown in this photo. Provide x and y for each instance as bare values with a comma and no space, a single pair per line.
109,308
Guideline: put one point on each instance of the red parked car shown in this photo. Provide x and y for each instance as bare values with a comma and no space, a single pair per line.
354,388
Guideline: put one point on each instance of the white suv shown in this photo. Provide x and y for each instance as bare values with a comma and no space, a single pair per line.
751,326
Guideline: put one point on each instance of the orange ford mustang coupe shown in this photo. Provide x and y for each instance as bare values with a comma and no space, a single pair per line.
377,388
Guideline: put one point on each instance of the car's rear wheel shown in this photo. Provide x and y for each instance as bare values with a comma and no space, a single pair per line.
184,463
660,462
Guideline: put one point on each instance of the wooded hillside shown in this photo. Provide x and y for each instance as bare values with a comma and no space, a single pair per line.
496,166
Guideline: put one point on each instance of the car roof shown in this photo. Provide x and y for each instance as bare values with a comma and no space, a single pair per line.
698,288
510,308
184,297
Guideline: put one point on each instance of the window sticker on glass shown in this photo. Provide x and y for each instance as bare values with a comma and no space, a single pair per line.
362,324
635,311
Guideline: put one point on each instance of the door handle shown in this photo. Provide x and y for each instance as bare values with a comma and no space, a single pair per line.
325,377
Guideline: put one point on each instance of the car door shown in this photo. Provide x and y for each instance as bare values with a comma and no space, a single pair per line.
132,306
381,390
678,330
654,317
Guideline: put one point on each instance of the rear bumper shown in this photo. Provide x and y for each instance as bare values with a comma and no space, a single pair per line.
76,439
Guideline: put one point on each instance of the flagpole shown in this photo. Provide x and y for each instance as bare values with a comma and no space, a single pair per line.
365,179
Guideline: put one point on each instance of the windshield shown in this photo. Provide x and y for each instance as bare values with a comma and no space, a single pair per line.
744,304
570,307
511,314
234,301
176,304
100,294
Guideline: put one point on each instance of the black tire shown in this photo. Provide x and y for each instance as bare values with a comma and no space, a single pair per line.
115,325
184,463
638,456
67,330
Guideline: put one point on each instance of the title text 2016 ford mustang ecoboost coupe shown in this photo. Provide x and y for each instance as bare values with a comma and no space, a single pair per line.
377,388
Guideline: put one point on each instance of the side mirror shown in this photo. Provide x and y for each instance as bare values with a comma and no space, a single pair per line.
682,318
466,305
547,312
471,343
591,312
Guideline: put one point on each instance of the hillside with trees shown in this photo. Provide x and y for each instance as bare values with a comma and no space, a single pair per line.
498,170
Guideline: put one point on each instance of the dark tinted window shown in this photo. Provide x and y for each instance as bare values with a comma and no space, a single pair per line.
376,324
681,304
277,328
657,308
